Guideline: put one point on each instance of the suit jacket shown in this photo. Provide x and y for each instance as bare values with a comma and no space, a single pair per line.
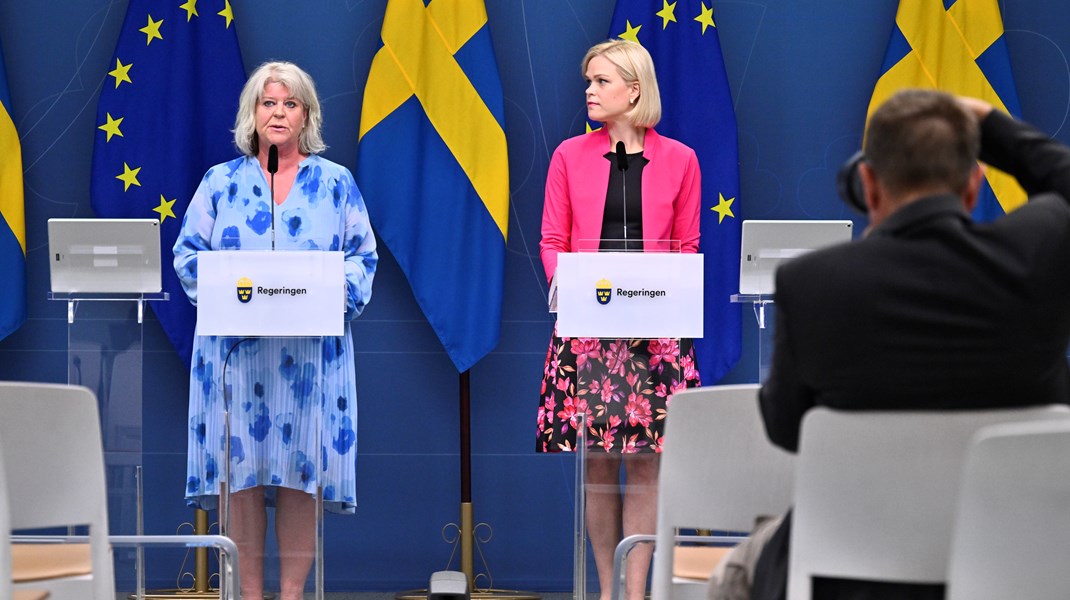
932,310
929,311
576,195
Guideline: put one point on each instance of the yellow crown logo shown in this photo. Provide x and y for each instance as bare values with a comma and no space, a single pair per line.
603,291
245,290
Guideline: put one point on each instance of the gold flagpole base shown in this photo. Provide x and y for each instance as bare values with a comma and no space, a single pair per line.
201,589
189,595
160,594
466,540
491,594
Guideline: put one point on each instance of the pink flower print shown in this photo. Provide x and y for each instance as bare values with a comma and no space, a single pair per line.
562,384
605,440
687,364
657,444
678,385
551,366
605,388
547,410
586,349
614,421
571,412
661,391
617,357
638,411
629,445
663,351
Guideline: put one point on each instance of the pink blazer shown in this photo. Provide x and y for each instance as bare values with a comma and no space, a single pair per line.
576,195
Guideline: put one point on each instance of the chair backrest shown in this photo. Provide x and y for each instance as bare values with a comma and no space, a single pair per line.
5,535
1012,531
50,448
718,469
875,492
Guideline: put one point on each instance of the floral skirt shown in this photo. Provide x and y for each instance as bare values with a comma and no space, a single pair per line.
622,386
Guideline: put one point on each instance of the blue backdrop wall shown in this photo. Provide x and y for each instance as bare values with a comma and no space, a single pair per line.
801,75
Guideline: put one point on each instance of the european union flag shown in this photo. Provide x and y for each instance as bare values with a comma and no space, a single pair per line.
956,46
697,110
165,115
12,218
433,167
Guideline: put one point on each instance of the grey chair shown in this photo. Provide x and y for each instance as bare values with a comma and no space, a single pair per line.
53,464
718,471
1012,532
875,492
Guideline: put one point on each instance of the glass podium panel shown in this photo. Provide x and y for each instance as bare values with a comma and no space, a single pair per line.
617,391
104,354
301,439
617,475
628,245
764,310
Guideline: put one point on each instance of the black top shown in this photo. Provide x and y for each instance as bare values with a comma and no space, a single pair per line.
624,196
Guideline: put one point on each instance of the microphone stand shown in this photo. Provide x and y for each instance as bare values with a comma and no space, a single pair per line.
622,166
272,187
272,168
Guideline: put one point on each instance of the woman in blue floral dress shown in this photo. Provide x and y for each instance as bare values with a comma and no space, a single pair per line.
280,389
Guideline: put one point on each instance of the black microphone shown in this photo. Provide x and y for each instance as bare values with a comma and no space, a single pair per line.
622,166
273,159
273,167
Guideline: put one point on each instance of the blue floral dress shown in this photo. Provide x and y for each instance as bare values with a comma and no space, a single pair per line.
280,388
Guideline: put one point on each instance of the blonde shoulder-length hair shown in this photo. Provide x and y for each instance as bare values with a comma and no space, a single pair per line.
633,64
301,88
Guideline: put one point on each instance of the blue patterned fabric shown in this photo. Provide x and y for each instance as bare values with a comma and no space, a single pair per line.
279,387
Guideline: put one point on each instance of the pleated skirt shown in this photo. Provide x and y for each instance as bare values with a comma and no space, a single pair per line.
292,407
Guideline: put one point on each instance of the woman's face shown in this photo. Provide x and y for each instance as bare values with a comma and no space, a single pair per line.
609,97
279,117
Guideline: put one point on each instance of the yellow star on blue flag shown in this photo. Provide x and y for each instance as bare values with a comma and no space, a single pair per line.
150,167
697,110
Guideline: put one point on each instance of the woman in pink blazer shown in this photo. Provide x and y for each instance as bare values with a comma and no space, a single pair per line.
622,386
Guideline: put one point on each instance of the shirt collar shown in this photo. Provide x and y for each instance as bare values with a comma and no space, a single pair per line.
922,211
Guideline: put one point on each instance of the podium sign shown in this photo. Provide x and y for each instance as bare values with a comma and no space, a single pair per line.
266,293
629,295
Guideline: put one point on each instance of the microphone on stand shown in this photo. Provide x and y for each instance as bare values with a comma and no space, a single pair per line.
622,166
273,167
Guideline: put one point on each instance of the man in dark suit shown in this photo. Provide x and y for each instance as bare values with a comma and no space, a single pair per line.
928,310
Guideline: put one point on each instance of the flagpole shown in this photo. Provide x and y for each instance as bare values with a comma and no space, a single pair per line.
466,526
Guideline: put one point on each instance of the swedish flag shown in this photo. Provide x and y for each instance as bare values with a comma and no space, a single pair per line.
165,114
12,218
433,167
956,46
697,108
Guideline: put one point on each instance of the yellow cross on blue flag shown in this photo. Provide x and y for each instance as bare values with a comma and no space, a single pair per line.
12,217
164,117
956,46
433,166
682,39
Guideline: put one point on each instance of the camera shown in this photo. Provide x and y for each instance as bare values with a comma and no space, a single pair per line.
849,183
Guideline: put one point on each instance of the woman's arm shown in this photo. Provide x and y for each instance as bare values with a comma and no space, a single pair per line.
556,215
195,235
358,245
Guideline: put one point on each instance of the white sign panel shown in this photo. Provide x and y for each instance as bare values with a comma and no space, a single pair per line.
265,293
629,295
